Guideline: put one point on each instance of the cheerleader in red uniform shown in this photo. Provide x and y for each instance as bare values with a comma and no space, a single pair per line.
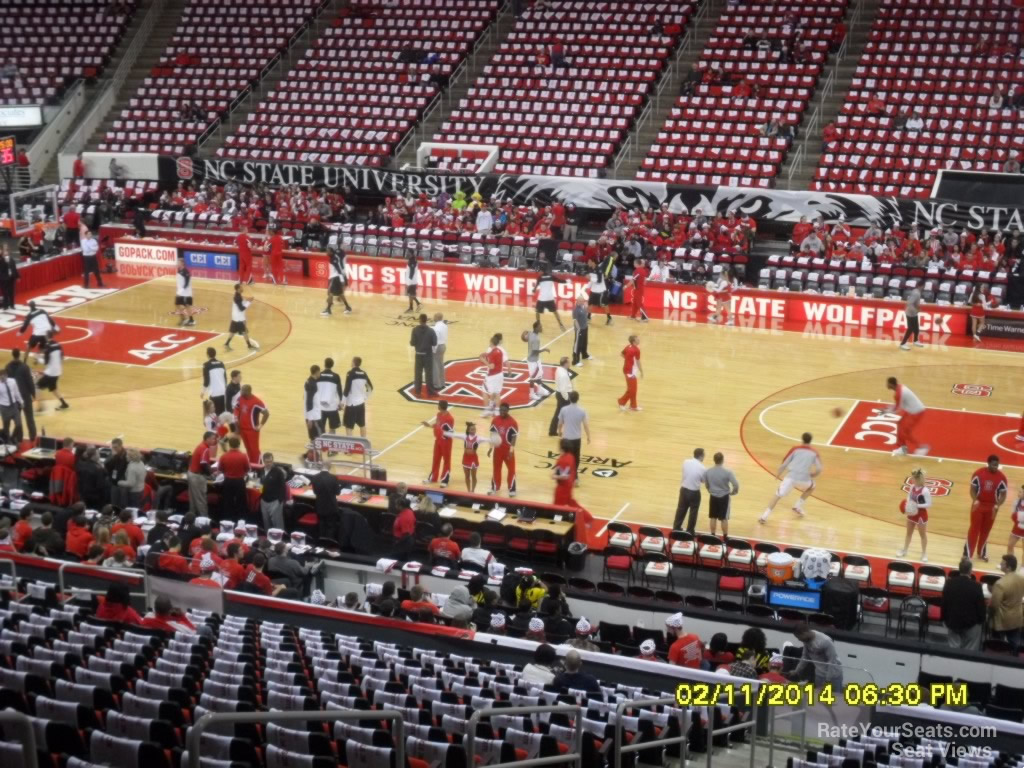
915,509
978,304
722,292
1017,520
470,458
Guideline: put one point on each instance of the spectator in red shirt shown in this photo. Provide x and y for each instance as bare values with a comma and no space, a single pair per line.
71,223
232,567
172,560
800,230
116,606
403,529
830,133
120,541
875,107
78,539
207,549
65,456
686,650
444,548
23,160
78,167
167,618
209,573
258,581
417,603
235,466
22,529
134,533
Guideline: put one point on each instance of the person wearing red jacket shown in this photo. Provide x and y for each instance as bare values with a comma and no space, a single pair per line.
444,427
166,618
132,531
631,369
172,560
116,606
22,533
65,456
78,538
251,415
275,258
639,278
231,566
403,530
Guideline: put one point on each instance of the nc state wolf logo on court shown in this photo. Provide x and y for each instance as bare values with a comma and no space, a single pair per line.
465,385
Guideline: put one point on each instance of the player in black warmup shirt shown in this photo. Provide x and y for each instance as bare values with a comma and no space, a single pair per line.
337,280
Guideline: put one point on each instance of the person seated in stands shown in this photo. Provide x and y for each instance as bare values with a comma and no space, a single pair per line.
26,250
209,572
206,547
573,676
166,618
915,123
116,606
485,606
686,649
754,640
417,604
875,106
172,560
231,566
78,538
118,560
1012,164
742,90
257,579
800,230
474,555
496,624
386,608
649,651
582,639
830,133
119,542
126,523
743,666
161,530
717,652
530,593
45,540
998,99
22,531
443,549
535,629
459,606
812,245
350,602
542,669
294,574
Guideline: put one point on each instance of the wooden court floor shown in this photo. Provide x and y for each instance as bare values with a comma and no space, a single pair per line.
740,391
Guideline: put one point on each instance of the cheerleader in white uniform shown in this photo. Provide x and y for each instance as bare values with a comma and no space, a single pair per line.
722,290
915,509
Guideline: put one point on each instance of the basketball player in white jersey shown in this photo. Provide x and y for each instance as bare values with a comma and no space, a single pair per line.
910,409
336,280
545,295
800,467
239,305
535,368
53,367
183,295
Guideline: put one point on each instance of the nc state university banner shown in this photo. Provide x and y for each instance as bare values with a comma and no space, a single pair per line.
606,195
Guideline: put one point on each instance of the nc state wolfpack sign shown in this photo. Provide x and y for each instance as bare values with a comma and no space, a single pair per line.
465,385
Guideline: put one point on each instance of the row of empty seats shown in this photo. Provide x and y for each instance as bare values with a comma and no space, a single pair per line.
570,73
359,91
46,48
220,50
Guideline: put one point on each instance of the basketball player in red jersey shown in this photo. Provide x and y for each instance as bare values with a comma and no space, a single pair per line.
244,255
989,487
565,476
506,430
639,278
910,409
496,360
444,429
631,368
251,415
274,264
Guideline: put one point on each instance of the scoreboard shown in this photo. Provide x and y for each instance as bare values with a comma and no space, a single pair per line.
8,156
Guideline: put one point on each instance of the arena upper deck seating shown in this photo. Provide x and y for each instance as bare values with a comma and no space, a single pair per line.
46,44
365,83
569,120
220,50
941,59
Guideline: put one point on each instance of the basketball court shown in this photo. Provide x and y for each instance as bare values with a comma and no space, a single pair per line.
748,392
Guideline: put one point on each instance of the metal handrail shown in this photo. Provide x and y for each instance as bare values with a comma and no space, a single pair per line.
750,725
28,735
312,715
113,571
682,739
800,712
570,757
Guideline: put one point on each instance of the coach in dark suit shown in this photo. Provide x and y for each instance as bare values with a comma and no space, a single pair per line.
21,374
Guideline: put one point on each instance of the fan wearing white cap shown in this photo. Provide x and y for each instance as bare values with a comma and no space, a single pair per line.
648,651
686,650
582,641
535,629
497,626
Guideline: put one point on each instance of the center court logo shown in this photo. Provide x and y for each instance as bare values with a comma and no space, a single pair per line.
465,385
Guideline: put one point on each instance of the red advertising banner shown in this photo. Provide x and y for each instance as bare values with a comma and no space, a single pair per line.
673,301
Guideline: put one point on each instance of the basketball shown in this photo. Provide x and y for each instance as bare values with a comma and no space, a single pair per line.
524,335
837,412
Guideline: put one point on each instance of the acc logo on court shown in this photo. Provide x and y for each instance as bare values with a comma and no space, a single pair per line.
465,385
972,390
936,485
